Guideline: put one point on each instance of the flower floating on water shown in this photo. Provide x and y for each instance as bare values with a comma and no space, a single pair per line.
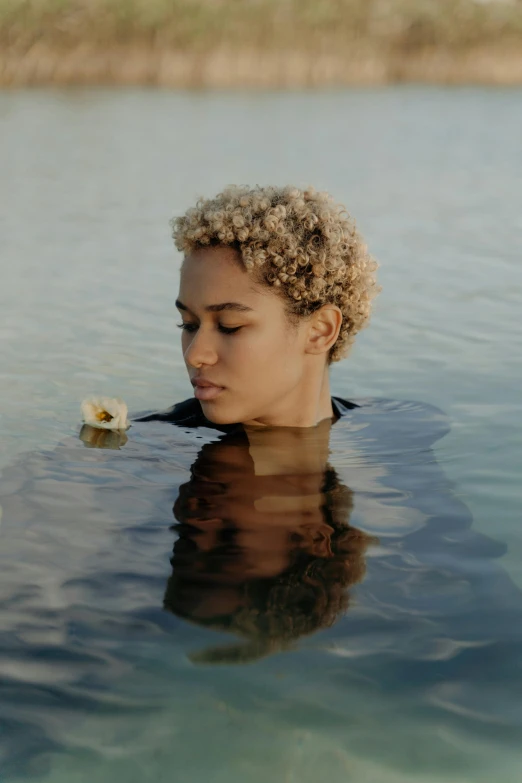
105,413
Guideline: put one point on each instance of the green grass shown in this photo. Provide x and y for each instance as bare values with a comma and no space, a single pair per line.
197,25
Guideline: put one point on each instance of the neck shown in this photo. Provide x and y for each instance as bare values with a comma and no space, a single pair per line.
309,404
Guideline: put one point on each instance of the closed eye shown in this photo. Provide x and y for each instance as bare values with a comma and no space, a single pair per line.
223,329
187,327
228,329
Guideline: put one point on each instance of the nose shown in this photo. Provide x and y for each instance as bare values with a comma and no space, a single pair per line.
200,349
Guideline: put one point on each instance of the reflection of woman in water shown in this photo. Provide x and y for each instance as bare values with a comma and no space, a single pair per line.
264,552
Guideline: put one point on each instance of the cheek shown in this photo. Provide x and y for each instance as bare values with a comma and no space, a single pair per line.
260,347
260,358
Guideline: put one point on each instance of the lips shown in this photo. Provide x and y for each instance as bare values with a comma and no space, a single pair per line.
205,390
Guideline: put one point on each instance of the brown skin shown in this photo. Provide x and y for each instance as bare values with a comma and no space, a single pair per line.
272,373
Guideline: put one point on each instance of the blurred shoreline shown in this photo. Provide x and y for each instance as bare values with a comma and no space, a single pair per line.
135,64
260,43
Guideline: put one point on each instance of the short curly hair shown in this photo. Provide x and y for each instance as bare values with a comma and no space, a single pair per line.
301,242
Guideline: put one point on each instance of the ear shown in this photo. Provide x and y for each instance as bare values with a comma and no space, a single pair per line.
324,327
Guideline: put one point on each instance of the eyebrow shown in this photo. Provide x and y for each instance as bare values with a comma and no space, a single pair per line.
218,308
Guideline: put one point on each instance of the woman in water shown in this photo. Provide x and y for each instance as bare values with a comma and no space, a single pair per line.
275,284
276,505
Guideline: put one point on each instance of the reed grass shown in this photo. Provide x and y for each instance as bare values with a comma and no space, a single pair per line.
259,42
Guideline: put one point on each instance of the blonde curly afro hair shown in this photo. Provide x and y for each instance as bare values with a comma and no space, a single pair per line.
300,242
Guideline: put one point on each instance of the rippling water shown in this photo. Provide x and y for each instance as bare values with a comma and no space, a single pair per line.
109,652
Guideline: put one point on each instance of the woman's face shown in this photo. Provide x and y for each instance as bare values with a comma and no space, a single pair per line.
246,362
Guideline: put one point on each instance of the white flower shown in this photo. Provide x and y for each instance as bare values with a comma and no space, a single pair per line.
105,413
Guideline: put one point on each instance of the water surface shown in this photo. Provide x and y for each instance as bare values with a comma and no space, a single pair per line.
419,678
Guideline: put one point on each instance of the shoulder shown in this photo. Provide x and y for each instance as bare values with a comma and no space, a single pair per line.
342,406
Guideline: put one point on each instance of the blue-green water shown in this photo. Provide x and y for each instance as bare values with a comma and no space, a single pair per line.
420,677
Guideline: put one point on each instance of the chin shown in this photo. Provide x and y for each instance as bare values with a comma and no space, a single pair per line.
217,416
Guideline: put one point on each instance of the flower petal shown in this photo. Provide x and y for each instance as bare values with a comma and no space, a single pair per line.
105,413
